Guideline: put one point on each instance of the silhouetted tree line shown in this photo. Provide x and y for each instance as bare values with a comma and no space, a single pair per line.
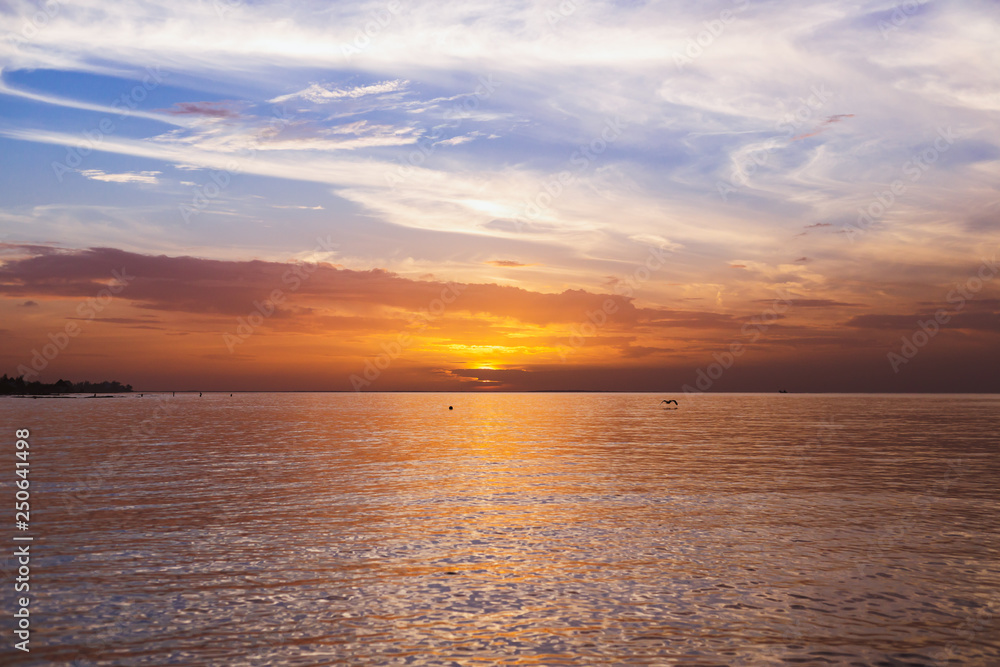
17,386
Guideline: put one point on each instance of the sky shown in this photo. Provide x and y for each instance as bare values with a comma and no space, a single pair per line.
648,196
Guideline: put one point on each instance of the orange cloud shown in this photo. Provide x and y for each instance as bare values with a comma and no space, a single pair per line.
506,263
165,322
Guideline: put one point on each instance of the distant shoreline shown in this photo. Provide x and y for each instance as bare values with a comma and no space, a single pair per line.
59,396
18,386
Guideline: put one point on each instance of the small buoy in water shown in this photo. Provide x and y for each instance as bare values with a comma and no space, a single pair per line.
450,408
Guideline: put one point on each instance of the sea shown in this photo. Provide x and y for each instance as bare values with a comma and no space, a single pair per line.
503,529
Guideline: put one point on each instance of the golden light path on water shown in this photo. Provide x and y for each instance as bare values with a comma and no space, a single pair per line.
545,529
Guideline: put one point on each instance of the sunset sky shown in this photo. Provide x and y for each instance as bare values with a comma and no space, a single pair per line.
732,195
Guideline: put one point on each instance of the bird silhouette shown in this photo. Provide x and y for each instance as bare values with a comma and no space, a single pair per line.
668,402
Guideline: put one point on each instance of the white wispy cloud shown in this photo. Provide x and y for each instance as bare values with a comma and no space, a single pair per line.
656,241
461,139
318,93
254,133
148,177
117,108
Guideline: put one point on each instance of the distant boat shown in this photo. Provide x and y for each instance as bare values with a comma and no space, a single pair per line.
782,391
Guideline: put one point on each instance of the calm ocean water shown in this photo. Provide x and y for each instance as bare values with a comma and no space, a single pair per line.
528,529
